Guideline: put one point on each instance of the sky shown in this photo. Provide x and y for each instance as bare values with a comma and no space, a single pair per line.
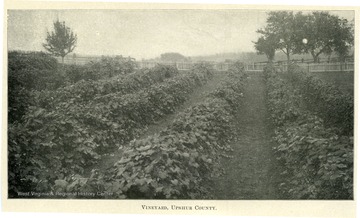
143,33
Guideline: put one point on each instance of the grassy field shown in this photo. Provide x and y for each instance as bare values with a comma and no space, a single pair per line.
345,80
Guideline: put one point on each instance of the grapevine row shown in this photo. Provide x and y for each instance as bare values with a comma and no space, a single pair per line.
85,91
181,160
318,161
327,101
52,144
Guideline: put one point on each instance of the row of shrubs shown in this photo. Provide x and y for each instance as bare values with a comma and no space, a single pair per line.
85,91
38,71
27,72
33,70
181,161
317,160
106,67
336,108
53,143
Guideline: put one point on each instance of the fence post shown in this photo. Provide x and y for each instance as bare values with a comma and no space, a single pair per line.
345,66
74,58
341,66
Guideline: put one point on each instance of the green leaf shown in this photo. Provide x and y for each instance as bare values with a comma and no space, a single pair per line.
144,148
120,171
124,160
61,183
175,182
163,175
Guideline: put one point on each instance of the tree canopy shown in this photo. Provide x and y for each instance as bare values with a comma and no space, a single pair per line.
315,33
327,33
266,46
281,30
61,41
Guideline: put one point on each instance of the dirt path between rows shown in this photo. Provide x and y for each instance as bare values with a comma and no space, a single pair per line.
197,96
252,172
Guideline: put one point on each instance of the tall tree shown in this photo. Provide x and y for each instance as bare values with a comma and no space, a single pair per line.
266,46
61,41
326,33
283,28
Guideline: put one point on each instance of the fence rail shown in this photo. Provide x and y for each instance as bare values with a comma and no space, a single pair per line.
310,67
250,67
329,67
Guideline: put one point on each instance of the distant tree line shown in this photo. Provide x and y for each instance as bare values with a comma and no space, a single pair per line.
296,33
173,57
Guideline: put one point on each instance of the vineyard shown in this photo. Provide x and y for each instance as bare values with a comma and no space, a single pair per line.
107,129
314,133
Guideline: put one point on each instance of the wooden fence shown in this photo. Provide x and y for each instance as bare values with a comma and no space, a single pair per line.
329,67
253,67
222,66
310,67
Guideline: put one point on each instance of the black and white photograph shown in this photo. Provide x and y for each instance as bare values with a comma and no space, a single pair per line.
180,104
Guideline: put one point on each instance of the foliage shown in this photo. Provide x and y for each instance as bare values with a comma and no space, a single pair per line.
317,33
327,33
106,67
60,139
318,161
87,90
18,100
132,112
111,66
27,72
75,73
281,31
266,46
235,67
33,70
180,161
61,41
18,61
327,101
45,147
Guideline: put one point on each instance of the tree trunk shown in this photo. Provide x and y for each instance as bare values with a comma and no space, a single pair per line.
288,56
270,59
62,62
314,56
